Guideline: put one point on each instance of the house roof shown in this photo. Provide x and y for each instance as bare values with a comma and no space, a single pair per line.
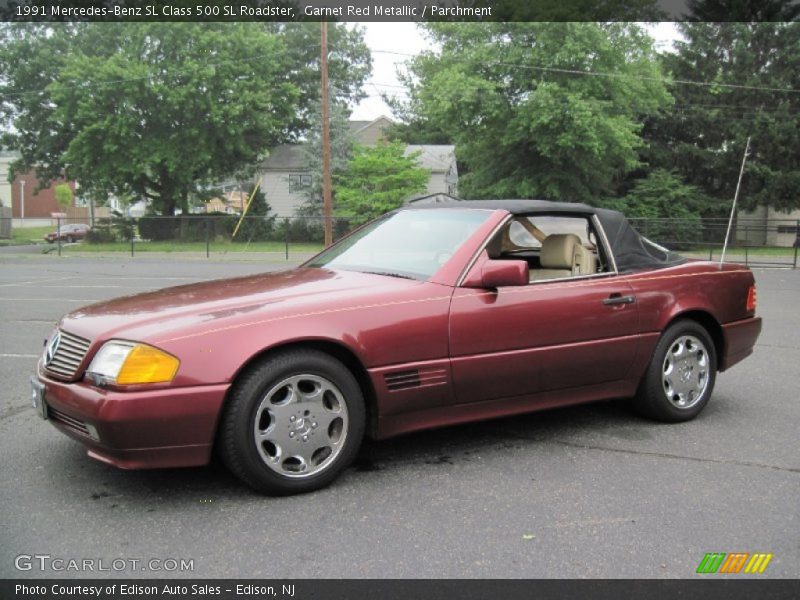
286,157
291,157
358,126
439,198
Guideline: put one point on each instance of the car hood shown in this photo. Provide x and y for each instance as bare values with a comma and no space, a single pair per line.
149,316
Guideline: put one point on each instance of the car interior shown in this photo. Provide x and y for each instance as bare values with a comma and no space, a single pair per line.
554,246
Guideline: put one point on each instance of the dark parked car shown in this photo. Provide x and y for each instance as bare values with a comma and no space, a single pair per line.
68,233
423,318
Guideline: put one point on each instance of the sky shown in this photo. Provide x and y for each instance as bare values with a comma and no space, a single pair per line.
406,38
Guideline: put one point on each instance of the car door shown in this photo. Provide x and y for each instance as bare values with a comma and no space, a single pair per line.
545,336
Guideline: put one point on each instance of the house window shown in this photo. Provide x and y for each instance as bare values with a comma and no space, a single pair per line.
303,180
787,229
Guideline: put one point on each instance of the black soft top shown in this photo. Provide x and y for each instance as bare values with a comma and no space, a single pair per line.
631,251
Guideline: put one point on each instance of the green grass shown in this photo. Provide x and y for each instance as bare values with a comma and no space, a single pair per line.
26,235
214,247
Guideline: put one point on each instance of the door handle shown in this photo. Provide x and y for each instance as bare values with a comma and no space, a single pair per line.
615,299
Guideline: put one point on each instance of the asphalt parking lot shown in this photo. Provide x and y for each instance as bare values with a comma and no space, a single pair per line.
591,491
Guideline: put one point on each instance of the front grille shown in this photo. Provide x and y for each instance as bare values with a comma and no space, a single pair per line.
71,423
68,355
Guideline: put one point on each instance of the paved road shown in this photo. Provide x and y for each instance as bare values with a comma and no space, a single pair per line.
591,491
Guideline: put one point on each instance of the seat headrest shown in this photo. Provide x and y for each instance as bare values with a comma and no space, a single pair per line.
558,250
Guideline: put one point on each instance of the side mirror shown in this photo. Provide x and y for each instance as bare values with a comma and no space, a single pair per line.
502,273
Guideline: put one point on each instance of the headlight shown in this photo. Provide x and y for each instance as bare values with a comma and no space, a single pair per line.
126,363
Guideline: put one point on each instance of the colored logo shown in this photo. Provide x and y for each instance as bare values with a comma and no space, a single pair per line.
735,562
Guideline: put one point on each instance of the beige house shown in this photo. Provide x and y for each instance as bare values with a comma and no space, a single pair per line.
766,226
286,166
231,203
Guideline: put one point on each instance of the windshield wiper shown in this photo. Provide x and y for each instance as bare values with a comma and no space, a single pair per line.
390,274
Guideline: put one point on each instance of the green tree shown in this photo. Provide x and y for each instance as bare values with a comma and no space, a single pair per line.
378,179
349,65
64,196
750,74
547,110
657,200
155,110
341,141
257,224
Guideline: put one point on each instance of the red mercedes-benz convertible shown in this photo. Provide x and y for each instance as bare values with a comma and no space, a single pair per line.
428,316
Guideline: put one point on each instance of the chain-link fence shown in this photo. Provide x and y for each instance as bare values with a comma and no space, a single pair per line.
754,242
209,235
772,242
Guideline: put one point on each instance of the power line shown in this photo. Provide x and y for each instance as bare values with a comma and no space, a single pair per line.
617,75
403,90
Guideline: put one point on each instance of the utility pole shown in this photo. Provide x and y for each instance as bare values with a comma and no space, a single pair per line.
327,208
22,198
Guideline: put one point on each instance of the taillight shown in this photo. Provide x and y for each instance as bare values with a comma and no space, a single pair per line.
751,298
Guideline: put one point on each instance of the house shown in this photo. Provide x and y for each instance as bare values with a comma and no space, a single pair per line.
286,168
6,158
27,201
765,226
230,203
441,161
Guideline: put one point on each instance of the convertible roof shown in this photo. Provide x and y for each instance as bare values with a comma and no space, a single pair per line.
516,207
631,251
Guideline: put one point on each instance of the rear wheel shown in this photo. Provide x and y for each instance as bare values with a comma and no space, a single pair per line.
680,378
70,239
293,423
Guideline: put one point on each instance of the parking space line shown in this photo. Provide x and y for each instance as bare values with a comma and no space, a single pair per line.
32,281
19,356
43,321
79,287
48,299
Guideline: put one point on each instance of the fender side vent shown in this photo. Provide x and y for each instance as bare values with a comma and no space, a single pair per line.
414,378
401,380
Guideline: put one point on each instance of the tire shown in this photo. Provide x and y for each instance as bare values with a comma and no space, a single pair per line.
70,239
680,378
293,423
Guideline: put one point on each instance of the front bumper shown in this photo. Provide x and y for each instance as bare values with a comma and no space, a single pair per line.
168,427
740,338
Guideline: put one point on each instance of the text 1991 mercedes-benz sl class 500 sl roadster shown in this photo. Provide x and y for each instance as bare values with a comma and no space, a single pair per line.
428,316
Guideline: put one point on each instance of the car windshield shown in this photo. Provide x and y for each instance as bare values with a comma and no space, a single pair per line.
410,243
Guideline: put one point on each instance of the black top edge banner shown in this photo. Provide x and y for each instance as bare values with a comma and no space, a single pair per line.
394,589
21,11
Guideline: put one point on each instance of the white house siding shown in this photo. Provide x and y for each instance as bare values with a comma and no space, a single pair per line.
6,159
288,160
767,226
275,185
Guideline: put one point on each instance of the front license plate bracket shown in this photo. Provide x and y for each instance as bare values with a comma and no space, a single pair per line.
37,398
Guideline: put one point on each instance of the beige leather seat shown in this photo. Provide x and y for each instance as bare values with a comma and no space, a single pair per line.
563,255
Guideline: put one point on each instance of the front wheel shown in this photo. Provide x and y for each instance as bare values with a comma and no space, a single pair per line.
680,378
293,423
70,239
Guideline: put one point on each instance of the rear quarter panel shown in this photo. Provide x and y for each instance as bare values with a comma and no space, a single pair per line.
694,287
